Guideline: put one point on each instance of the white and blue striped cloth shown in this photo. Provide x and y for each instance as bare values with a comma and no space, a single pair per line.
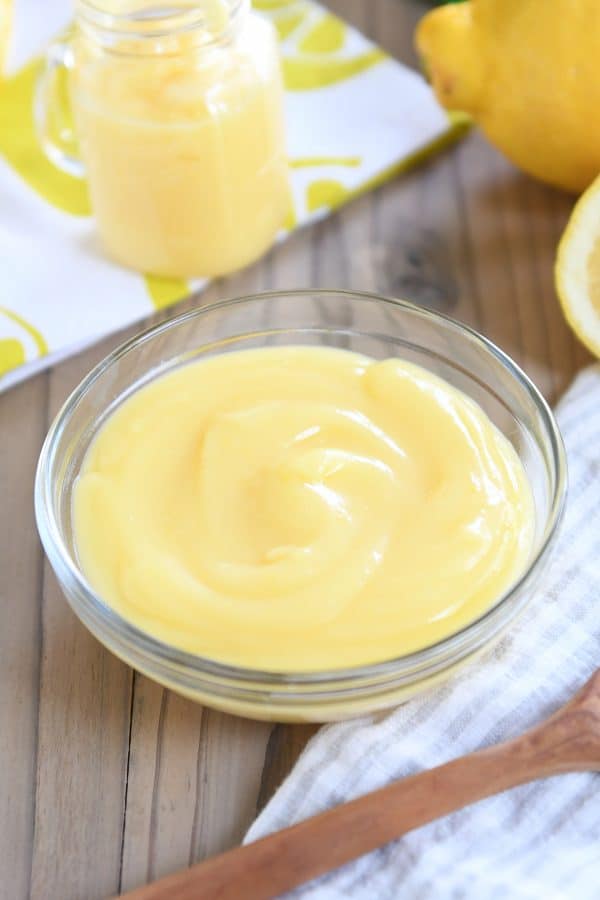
541,840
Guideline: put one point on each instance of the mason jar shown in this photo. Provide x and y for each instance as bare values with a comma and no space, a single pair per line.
178,114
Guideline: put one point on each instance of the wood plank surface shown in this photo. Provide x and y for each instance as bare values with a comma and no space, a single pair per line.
106,779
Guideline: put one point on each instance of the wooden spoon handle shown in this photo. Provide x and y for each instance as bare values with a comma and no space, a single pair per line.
568,741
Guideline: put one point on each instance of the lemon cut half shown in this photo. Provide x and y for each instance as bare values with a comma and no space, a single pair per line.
578,269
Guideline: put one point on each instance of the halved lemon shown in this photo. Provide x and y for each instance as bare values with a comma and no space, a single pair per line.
577,272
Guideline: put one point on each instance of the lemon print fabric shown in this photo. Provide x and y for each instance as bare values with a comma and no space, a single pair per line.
319,51
352,110
20,342
21,149
354,117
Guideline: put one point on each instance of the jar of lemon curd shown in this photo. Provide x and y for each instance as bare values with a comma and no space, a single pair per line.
178,112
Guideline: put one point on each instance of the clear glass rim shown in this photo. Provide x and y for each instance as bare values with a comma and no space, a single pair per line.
456,646
169,19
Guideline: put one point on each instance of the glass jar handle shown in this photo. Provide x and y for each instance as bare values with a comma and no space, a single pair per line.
53,114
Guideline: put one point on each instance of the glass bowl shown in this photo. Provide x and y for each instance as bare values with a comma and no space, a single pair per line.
373,325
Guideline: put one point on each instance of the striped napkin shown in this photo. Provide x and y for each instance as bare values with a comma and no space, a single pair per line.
541,840
354,116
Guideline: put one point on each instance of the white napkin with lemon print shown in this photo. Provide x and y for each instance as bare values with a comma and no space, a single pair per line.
354,117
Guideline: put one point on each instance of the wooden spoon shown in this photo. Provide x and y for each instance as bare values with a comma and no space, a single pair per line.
569,741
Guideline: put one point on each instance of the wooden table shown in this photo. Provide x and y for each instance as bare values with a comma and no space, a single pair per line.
106,779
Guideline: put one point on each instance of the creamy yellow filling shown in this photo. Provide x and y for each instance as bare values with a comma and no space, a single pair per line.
301,508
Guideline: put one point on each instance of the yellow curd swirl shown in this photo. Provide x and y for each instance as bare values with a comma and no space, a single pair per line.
301,508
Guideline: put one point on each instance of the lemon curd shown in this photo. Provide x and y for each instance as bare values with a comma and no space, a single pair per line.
181,130
301,509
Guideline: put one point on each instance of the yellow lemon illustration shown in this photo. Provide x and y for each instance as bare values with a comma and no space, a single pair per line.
165,291
306,74
306,162
273,5
20,341
286,16
325,193
12,354
327,36
314,50
286,25
20,147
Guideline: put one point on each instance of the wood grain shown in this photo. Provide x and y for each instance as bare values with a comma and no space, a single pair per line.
569,741
82,738
20,629
105,779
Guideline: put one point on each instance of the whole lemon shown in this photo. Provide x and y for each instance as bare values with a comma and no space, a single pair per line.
528,72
